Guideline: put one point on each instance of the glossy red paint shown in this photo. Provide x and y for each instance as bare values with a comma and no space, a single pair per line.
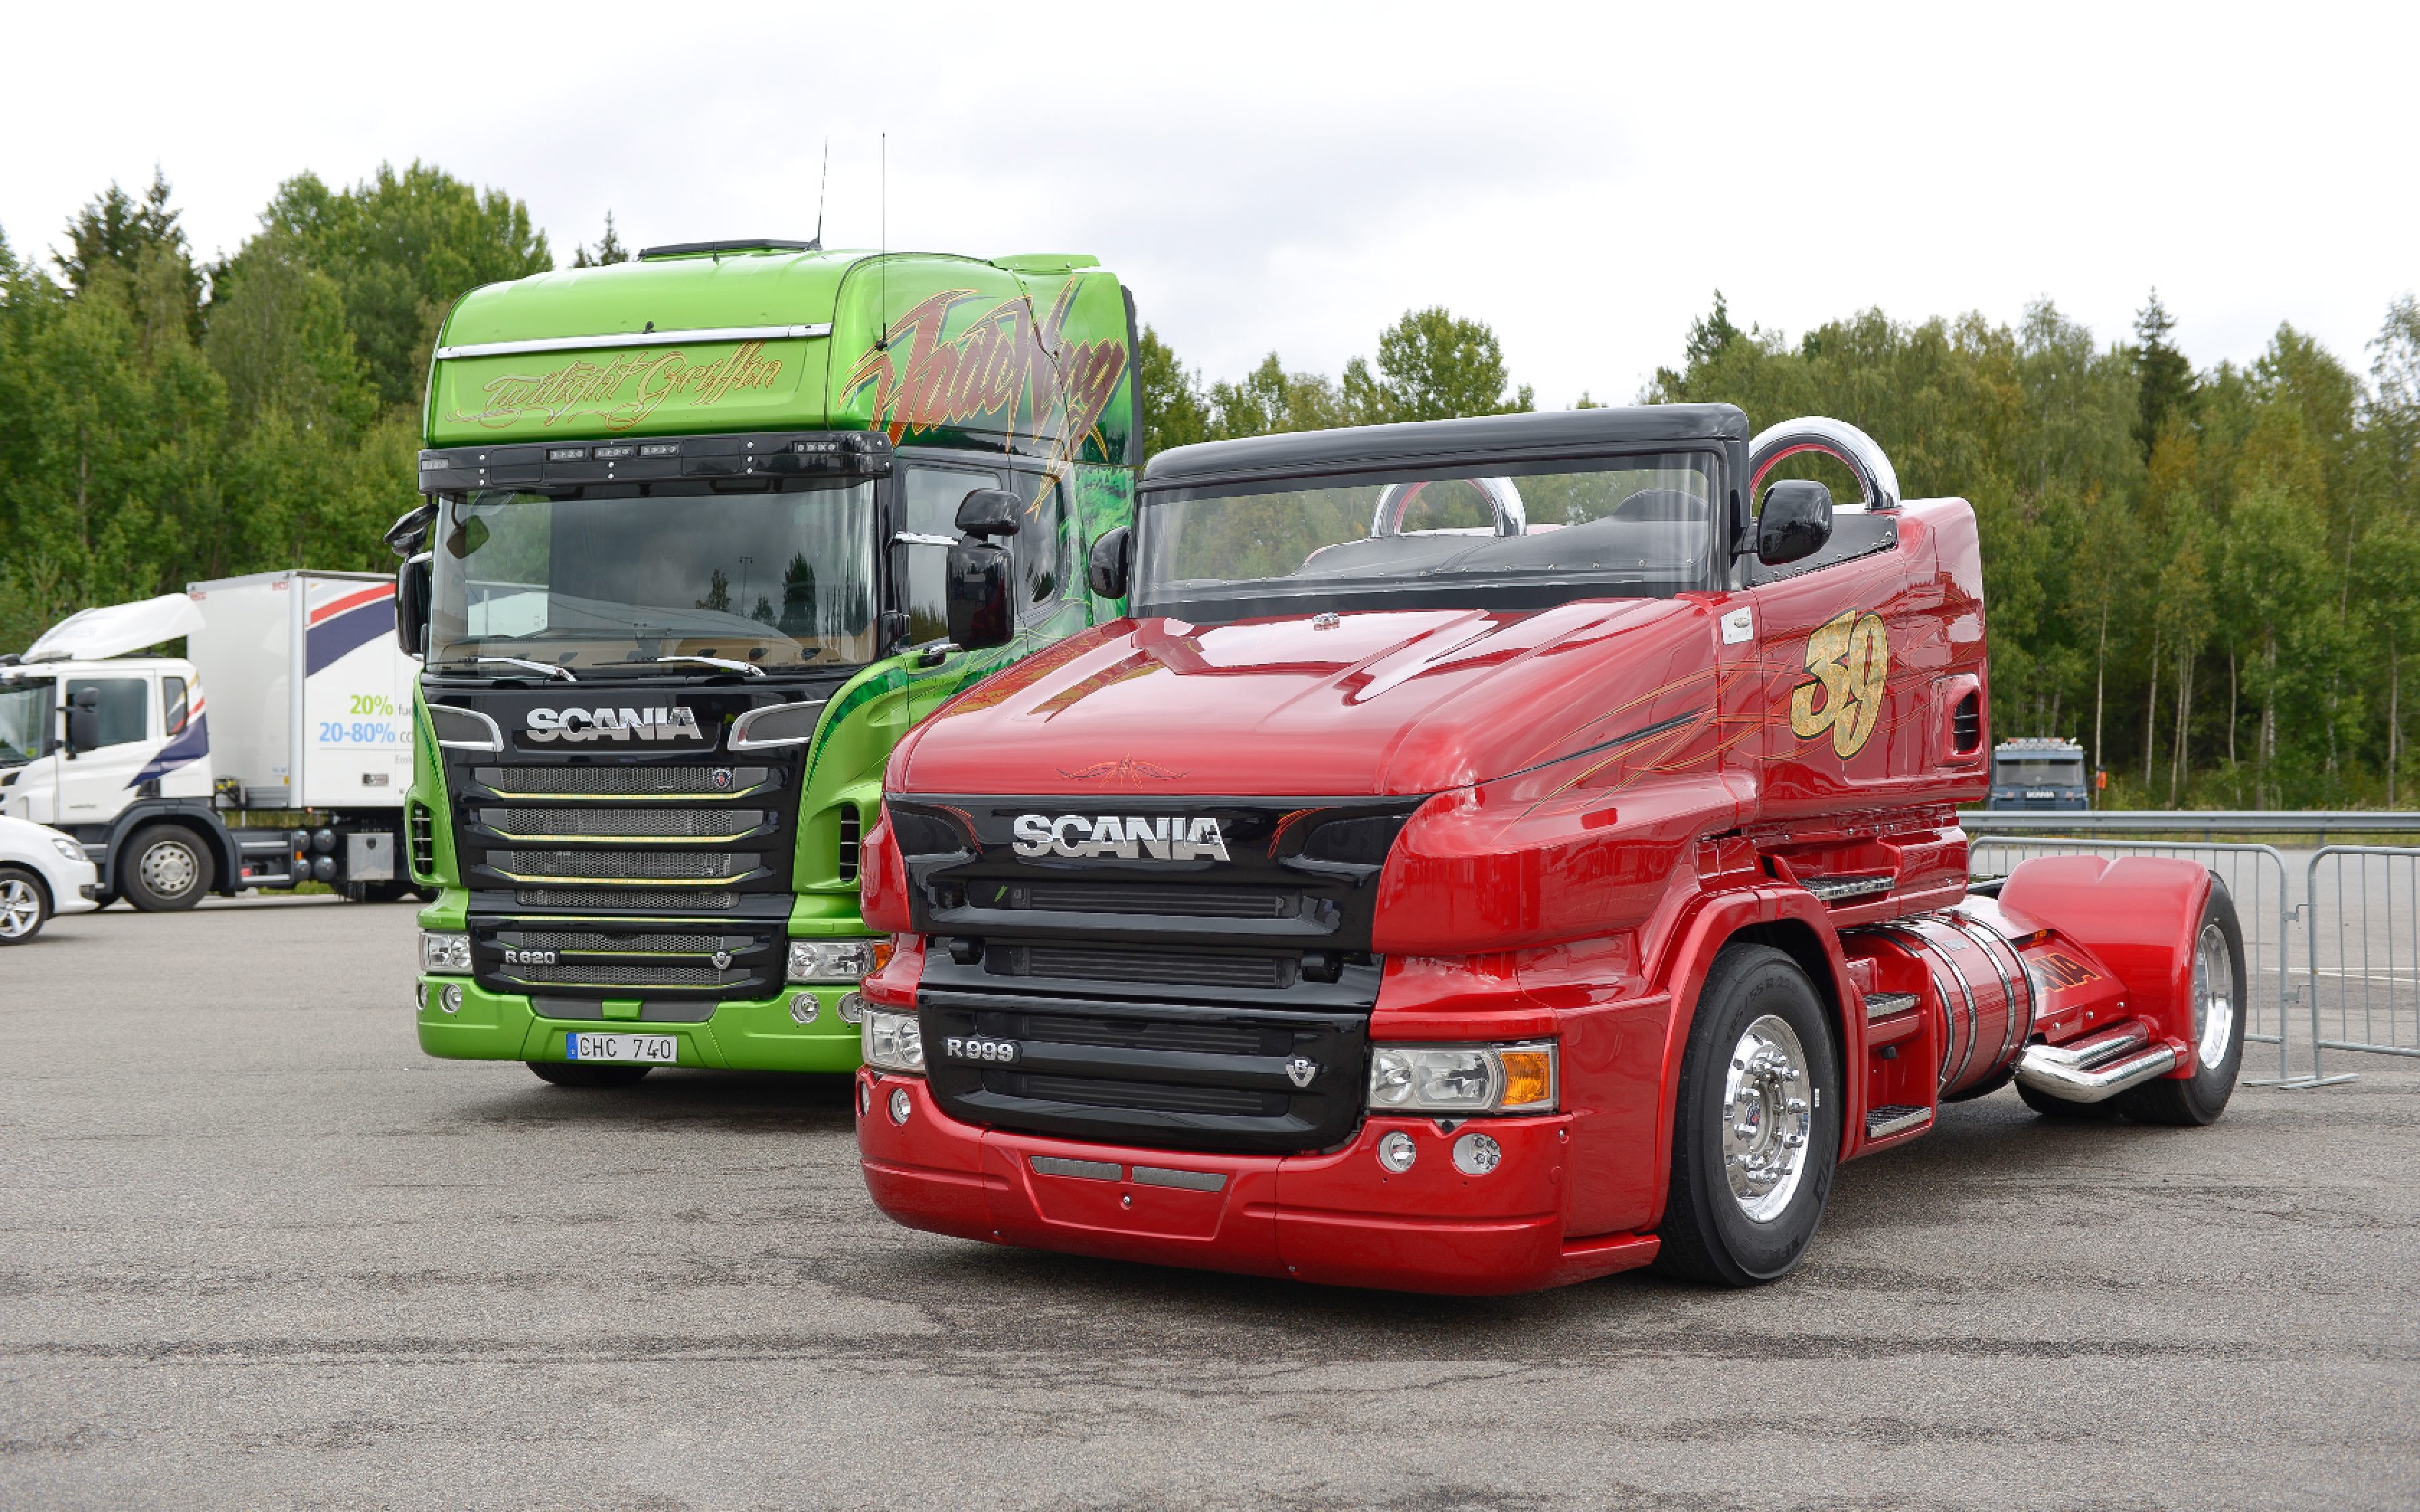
1615,791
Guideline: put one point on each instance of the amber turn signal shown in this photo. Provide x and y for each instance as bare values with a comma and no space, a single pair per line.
1528,1078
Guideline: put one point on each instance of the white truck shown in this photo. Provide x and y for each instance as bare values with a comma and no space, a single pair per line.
291,768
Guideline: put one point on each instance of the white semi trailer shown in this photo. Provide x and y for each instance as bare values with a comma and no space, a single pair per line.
275,751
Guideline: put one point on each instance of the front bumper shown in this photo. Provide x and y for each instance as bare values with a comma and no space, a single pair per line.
1336,1217
752,1035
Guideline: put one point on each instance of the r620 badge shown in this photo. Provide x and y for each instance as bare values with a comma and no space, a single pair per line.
967,1047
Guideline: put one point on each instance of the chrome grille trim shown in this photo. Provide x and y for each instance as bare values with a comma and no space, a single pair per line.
636,782
624,824
603,899
623,865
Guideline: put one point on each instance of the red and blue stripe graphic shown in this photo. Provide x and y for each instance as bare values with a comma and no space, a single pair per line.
191,744
345,624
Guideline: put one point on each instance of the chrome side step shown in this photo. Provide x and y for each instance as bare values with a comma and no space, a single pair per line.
1887,1005
1881,1123
2097,1068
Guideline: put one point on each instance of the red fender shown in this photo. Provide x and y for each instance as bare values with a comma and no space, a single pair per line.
2140,915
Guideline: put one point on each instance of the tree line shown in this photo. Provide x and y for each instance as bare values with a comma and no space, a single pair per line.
2205,575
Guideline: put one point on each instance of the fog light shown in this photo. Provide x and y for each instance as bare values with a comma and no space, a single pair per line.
1396,1152
1475,1154
804,1007
451,1000
899,1105
851,1008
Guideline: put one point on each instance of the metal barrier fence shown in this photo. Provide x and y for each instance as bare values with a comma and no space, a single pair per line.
2363,905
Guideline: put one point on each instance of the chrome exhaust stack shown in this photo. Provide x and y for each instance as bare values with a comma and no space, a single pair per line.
2096,1068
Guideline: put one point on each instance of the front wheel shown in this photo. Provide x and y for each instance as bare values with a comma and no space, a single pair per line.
165,869
572,1073
2219,1002
24,907
1756,1126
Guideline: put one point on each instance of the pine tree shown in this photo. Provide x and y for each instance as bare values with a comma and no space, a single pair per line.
2166,377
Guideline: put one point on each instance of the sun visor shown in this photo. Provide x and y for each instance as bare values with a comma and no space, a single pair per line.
114,629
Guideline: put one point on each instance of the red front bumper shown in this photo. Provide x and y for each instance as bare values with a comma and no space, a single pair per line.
1339,1218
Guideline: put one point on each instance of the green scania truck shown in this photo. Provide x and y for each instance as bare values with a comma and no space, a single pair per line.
703,533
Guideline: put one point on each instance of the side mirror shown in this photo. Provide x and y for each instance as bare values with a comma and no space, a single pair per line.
411,582
989,512
1111,566
975,594
84,721
1796,522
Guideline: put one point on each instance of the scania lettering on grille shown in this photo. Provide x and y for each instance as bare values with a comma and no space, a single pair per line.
578,725
1176,839
967,1047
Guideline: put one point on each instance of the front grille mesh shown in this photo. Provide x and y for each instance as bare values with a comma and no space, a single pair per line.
587,941
1197,902
624,824
616,974
1081,963
645,866
1175,1035
1165,1096
617,899
621,782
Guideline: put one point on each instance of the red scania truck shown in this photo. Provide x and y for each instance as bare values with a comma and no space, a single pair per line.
1491,853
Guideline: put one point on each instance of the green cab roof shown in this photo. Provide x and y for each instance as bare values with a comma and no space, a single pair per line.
1031,353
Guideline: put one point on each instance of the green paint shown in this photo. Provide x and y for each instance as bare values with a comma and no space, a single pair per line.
1029,355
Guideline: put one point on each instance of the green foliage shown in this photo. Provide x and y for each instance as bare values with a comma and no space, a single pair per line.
609,249
1175,413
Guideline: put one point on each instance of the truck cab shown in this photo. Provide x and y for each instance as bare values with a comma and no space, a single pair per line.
1491,853
682,580
2037,773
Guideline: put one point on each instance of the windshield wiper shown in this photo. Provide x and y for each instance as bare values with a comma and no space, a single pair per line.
725,663
463,663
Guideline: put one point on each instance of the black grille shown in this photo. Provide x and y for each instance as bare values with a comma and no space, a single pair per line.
602,943
1966,724
421,826
851,829
617,974
635,866
1160,1074
615,898
1126,898
624,824
622,781
1082,963
1158,1097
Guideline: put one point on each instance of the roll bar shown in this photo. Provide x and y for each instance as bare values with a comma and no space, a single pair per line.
1877,480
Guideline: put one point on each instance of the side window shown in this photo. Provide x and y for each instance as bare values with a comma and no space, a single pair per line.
172,706
929,497
1044,547
121,706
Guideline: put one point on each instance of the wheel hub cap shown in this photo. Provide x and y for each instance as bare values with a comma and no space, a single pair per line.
168,869
1768,1116
19,907
2213,997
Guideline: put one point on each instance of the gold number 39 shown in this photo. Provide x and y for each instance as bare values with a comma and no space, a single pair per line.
1851,659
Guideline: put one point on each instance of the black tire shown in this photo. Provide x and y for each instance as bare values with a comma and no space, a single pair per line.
2067,1112
1708,1235
2199,1099
572,1073
24,906
165,869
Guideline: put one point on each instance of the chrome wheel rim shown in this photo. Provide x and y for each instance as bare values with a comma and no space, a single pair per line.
20,909
2213,997
1768,1118
169,869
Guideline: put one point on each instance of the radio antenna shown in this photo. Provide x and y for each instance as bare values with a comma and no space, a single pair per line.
822,186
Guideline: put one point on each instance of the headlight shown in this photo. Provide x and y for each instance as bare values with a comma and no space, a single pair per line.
1463,1078
67,848
892,1041
836,960
444,952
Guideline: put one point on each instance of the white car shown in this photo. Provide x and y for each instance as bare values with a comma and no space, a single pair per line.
41,873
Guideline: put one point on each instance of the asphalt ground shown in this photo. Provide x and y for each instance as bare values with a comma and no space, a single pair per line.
255,1250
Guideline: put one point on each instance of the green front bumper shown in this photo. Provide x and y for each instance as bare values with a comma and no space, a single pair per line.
759,1034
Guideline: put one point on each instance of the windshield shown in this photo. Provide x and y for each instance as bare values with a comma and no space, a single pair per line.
774,578
25,722
2042,771
1480,536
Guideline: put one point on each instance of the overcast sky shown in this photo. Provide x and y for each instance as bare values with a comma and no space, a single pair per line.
1295,177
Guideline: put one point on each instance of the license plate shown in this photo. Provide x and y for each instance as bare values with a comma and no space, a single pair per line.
662,1049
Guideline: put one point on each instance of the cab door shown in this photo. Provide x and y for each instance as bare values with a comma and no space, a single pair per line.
96,783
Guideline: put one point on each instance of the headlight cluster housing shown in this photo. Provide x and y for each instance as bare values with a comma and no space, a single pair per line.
892,1042
1464,1078
836,960
444,951
67,848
